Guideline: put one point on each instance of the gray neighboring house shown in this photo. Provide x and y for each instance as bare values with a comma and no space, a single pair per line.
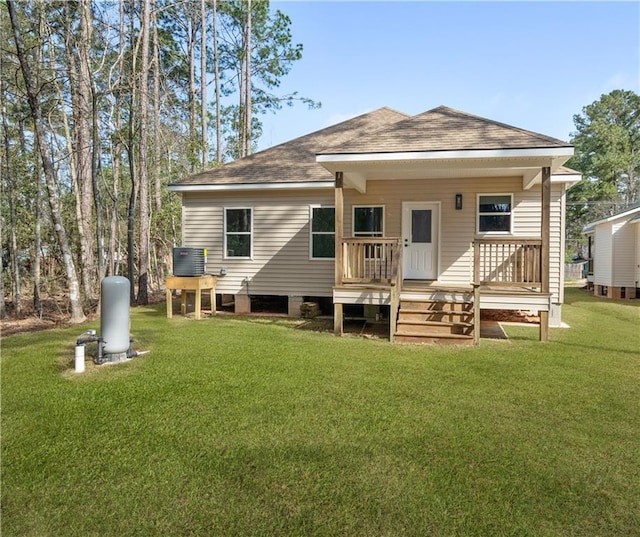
614,254
422,220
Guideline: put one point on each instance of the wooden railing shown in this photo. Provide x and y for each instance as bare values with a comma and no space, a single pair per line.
507,262
371,260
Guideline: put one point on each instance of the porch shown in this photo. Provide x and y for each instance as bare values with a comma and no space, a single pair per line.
505,274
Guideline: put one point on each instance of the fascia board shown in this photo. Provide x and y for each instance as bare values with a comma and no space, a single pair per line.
250,186
612,218
444,155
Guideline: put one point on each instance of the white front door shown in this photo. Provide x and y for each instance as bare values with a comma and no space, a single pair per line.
420,231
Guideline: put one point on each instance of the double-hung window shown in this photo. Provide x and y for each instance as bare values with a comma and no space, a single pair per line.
238,228
495,213
323,232
368,221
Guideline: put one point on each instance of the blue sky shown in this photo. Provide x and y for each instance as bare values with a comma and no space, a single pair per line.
529,64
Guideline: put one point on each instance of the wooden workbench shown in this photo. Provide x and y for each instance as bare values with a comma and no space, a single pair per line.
197,284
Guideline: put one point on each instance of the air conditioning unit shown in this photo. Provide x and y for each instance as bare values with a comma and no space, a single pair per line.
189,261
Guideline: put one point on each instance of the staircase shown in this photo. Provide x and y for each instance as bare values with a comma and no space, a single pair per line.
438,316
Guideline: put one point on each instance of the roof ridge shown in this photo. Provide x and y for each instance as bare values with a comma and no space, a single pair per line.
373,130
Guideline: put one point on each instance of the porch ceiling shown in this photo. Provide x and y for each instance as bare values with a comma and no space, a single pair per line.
528,164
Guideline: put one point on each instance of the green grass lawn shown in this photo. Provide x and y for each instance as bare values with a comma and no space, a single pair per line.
256,427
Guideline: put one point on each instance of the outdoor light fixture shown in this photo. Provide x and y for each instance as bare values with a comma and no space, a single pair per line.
458,202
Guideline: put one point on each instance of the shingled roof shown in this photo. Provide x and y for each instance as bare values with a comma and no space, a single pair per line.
381,131
445,129
294,161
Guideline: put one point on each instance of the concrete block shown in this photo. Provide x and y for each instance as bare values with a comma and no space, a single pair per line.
242,303
294,306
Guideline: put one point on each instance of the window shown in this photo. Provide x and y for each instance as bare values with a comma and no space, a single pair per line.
323,232
237,232
494,213
368,221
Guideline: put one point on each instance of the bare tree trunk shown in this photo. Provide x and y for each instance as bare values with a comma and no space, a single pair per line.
247,100
16,280
37,242
193,90
3,307
131,214
77,48
143,249
97,195
37,171
77,315
5,174
117,150
156,110
203,83
16,288
216,78
242,95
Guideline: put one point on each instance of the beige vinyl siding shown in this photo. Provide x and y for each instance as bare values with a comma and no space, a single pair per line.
458,227
280,264
602,274
624,254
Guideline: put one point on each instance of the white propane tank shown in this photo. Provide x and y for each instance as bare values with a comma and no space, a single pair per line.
114,314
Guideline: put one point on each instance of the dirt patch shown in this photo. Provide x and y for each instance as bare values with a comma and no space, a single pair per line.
55,314
510,316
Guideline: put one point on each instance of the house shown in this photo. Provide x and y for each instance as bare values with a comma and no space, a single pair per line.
614,254
423,219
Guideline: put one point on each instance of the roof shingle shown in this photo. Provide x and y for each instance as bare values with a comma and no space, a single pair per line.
294,161
381,131
445,129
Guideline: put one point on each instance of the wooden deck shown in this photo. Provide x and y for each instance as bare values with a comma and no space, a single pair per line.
507,275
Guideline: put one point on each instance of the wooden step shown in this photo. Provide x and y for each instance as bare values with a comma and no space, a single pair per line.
435,315
452,339
436,318
442,305
408,287
433,328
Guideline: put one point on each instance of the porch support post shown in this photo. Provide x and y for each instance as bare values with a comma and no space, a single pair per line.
339,224
545,254
476,313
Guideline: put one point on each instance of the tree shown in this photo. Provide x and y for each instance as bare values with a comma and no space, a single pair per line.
607,145
216,82
77,314
105,114
204,135
143,253
257,49
607,142
78,42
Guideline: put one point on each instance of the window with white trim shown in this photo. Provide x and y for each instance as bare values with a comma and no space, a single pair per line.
368,221
323,232
495,213
238,230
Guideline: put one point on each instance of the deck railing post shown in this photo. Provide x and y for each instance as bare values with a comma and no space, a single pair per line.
476,313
